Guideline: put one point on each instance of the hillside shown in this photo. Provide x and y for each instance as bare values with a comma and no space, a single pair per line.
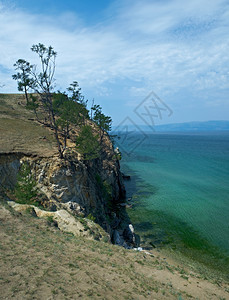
46,258
19,132
40,262
81,187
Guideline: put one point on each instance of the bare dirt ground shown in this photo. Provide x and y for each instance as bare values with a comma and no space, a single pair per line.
40,262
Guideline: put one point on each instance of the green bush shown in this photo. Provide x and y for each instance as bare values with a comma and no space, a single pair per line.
91,217
25,189
87,143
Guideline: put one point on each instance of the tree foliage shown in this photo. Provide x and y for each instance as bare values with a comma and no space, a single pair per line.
69,113
87,143
25,189
25,82
104,122
61,111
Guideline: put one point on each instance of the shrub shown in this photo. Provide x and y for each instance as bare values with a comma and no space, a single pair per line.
25,189
91,217
87,143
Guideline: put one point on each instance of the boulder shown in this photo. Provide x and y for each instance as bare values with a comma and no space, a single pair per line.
66,222
116,238
128,234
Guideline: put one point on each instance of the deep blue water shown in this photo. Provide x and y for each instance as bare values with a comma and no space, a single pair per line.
181,179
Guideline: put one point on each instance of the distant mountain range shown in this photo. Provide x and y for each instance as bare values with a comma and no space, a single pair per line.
195,126
188,126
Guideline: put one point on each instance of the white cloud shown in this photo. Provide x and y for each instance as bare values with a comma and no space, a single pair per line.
163,45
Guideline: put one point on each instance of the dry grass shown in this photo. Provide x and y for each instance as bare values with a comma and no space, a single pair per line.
19,132
40,262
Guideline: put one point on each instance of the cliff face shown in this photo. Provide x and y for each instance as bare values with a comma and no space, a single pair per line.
70,183
9,166
94,187
79,187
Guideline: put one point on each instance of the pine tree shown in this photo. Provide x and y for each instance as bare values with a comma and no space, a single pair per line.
87,143
25,189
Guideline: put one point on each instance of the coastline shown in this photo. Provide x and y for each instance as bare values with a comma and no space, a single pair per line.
188,248
190,276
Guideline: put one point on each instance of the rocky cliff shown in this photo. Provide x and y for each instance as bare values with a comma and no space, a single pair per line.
93,188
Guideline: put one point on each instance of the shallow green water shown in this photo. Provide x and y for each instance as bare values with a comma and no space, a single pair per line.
180,190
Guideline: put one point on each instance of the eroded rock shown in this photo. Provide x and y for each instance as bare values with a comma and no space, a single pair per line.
66,222
129,235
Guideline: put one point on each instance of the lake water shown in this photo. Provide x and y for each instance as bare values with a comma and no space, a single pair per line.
180,189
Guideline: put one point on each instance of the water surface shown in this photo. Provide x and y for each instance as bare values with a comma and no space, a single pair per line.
180,189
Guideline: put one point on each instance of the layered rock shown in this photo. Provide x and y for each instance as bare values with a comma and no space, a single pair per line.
83,188
70,184
9,166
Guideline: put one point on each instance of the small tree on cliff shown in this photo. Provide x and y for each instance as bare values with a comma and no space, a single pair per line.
70,110
42,83
81,112
23,77
87,143
61,111
103,121
25,189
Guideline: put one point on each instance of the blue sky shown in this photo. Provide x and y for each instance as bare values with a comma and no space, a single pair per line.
121,50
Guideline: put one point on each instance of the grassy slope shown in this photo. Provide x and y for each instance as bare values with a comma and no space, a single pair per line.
40,262
18,131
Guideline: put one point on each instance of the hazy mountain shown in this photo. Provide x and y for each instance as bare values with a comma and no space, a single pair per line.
188,126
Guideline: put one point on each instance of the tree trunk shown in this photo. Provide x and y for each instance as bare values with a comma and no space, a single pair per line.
58,142
26,96
56,132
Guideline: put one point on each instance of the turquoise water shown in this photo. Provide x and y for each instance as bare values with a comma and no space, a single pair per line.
180,188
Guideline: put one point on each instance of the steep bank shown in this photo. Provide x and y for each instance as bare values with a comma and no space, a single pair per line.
80,187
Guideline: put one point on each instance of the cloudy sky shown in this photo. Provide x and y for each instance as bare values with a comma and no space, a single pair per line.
121,50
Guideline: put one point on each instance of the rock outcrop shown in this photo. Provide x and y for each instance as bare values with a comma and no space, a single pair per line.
65,221
9,166
72,186
91,189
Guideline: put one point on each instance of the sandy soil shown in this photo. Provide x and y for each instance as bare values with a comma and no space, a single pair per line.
40,262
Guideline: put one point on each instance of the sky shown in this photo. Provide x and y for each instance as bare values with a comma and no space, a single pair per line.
142,60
